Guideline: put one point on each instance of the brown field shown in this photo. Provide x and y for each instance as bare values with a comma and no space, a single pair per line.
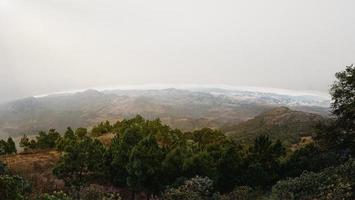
36,167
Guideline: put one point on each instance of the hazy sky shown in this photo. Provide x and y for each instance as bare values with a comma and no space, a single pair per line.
55,45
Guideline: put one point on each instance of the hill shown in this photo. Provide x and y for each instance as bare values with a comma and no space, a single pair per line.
279,123
183,109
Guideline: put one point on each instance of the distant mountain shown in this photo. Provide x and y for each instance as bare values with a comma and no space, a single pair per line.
186,109
279,123
268,97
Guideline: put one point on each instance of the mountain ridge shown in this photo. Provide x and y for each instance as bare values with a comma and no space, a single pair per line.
183,109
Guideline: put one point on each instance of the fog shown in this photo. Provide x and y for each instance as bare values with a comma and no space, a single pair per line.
58,45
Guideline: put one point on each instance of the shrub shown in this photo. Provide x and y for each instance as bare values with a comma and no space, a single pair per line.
198,188
13,187
54,196
102,128
310,158
80,163
8,147
95,192
332,183
242,193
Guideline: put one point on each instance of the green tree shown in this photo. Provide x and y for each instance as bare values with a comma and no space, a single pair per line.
120,150
80,162
137,121
11,146
102,128
200,163
331,183
69,133
206,136
65,141
263,163
13,187
81,132
7,147
47,140
340,135
144,166
173,165
228,167
309,158
26,143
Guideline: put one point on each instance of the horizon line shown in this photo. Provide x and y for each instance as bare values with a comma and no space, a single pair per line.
280,91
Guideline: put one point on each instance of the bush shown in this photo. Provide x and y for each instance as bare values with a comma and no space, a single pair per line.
47,140
102,128
198,188
80,163
55,196
44,140
332,183
309,158
95,192
13,187
8,147
242,193
26,143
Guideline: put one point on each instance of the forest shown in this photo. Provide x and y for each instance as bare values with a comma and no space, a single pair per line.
138,158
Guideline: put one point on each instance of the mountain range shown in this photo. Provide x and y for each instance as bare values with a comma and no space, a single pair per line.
186,109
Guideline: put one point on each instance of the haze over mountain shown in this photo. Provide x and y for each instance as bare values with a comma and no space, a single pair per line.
187,109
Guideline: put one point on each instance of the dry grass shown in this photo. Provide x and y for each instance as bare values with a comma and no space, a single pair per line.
303,142
106,139
36,167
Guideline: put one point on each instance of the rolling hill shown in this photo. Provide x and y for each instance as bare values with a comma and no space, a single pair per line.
279,123
186,109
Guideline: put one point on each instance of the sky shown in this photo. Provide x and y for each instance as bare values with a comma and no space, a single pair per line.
48,46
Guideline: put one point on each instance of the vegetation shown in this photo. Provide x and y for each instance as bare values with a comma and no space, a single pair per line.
197,188
55,196
7,147
44,140
331,183
340,135
81,161
153,161
102,128
12,187
279,123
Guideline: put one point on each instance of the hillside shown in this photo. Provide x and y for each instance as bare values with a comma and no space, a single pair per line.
183,109
279,123
36,167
